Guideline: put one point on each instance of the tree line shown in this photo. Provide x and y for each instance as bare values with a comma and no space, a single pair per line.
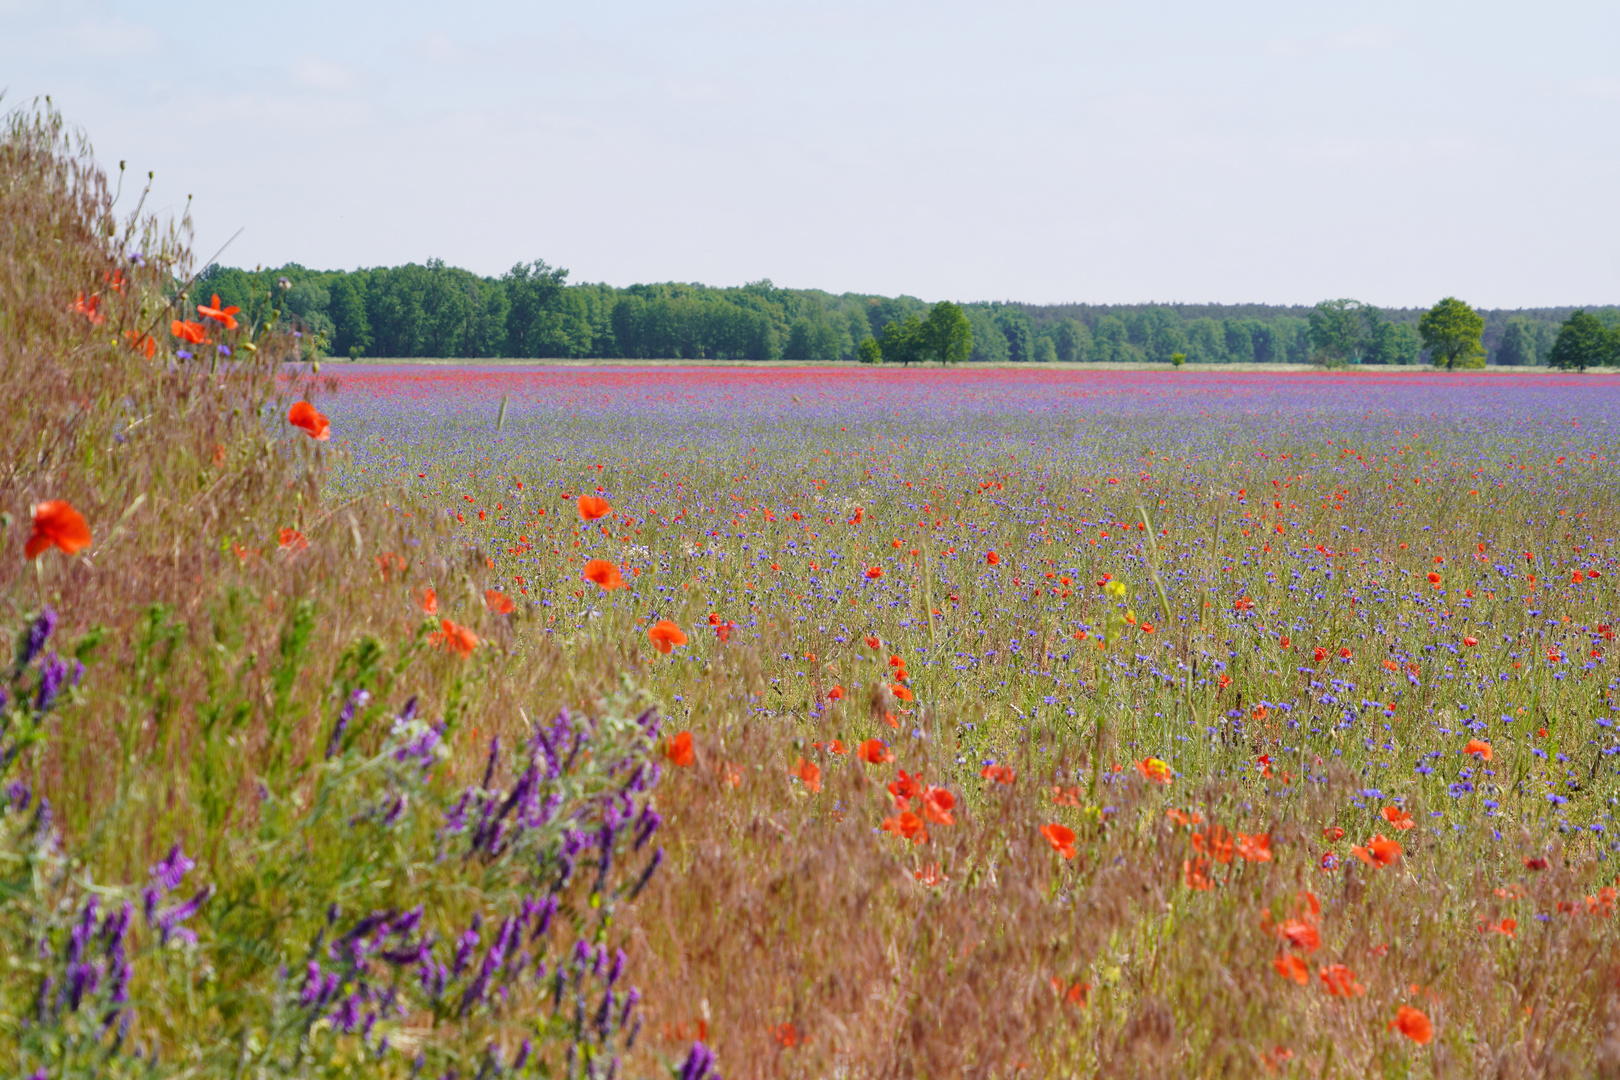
532,311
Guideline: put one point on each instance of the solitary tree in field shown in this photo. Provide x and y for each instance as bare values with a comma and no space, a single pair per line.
869,351
947,335
1452,332
1583,342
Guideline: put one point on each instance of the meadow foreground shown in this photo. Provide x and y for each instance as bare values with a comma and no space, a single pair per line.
780,723
1174,722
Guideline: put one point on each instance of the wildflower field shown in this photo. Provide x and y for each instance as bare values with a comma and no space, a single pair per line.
800,722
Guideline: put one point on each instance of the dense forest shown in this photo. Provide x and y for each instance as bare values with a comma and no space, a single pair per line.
531,311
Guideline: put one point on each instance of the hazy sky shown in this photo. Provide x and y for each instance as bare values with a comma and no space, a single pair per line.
1278,152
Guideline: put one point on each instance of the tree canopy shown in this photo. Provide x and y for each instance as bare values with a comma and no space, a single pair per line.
535,311
1583,341
1452,332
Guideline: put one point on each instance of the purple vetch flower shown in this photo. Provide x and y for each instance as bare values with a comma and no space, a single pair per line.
494,759
310,996
618,967
455,819
395,809
469,941
522,1058
630,1002
52,670
169,921
38,634
650,820
646,875
698,1063
357,700
171,870
18,793
544,912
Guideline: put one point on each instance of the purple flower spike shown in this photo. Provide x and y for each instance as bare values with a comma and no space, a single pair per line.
698,1063
172,870
38,635
52,670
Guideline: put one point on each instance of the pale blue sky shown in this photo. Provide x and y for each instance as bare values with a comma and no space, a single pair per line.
1277,152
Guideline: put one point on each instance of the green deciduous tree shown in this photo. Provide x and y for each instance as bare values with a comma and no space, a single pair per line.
1341,331
1583,341
1394,343
531,289
1072,339
869,351
947,336
1452,332
903,342
351,333
1518,347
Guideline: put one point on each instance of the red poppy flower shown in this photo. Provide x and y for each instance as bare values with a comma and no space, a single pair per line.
1470,641
1480,747
665,636
592,507
1078,994
1256,848
57,524
303,415
1283,641
293,540
906,825
88,308
1398,817
1340,981
873,643
1154,770
499,602
836,694
607,576
430,601
190,332
144,344
1001,774
1215,842
212,310
1195,873
902,693
873,752
809,773
1380,851
1413,1024
992,558
1319,655
1061,837
1332,833
874,572
905,787
937,804
679,750
453,638
832,746
1344,652
1300,934
1292,967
